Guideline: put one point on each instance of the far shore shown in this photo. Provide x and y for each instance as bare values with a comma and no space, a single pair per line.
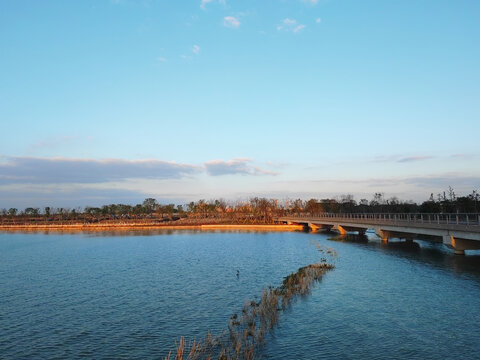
129,227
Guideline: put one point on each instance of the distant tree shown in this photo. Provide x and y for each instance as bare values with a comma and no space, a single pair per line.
297,206
347,203
201,208
93,211
330,205
363,206
221,206
30,211
465,204
430,207
475,197
12,211
169,209
451,194
378,199
191,207
150,205
313,206
262,208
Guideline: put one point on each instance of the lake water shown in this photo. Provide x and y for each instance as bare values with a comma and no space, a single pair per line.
131,295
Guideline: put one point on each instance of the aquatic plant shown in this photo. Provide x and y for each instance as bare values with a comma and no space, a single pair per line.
246,332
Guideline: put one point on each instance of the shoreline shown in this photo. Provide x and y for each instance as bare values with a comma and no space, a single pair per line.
143,227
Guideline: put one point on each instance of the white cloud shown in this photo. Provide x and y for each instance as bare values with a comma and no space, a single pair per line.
33,170
161,59
196,49
290,25
318,20
234,166
299,28
414,158
402,158
231,22
18,170
203,3
311,2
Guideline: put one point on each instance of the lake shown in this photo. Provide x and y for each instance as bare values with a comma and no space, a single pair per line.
132,295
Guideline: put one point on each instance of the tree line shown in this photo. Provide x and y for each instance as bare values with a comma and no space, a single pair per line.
256,209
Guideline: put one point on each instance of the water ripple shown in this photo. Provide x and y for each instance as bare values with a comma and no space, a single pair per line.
80,296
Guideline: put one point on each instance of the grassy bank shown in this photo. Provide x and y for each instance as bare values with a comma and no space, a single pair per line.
74,227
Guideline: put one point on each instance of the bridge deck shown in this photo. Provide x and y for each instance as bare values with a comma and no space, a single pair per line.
462,224
458,231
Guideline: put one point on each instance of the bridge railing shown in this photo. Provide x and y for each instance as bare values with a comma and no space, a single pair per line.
468,219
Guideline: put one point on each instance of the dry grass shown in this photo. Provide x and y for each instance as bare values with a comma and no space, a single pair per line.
246,332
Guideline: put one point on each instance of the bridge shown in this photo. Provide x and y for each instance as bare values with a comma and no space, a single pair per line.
457,231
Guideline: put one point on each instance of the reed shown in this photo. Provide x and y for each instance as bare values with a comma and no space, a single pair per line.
246,332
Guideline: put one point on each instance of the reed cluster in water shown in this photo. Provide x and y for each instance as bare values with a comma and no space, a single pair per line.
246,332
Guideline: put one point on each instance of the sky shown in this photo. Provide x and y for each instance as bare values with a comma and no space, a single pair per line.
114,101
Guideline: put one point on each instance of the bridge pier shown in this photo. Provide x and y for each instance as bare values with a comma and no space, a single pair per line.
458,235
340,229
386,235
382,234
460,245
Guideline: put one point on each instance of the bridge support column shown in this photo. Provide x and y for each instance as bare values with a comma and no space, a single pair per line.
452,243
341,229
382,234
460,245
313,227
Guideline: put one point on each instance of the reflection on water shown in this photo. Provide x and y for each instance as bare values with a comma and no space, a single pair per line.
132,294
427,251
119,232
349,238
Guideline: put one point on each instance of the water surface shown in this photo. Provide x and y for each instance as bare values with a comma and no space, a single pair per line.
132,295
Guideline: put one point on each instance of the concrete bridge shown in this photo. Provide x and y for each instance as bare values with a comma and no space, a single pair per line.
457,231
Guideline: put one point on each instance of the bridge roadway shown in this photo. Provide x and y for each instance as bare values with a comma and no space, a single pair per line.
457,231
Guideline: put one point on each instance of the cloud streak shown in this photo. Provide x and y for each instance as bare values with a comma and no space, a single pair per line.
203,3
231,22
402,158
443,181
18,170
66,196
414,158
290,25
32,170
233,167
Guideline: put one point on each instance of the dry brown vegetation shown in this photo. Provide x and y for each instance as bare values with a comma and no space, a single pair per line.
247,331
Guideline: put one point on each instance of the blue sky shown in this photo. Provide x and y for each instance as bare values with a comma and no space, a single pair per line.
107,101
